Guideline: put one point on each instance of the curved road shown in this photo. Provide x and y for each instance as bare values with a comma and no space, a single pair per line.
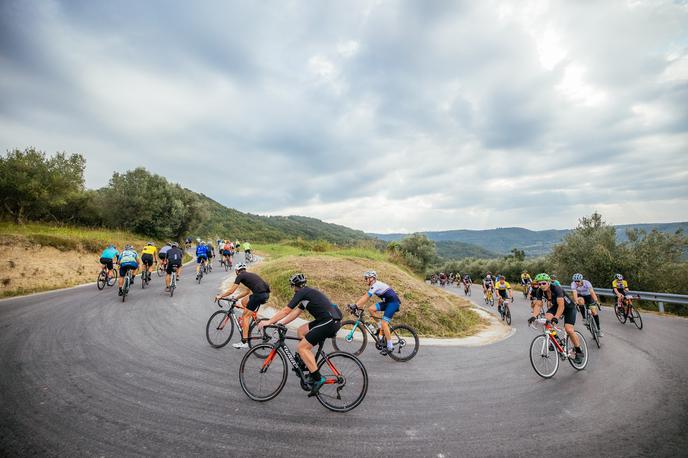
85,374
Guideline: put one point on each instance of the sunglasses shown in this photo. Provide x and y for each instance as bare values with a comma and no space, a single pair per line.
543,283
579,281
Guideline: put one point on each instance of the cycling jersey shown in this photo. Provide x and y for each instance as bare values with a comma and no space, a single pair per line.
488,282
164,249
583,289
316,303
247,247
503,286
466,279
555,293
228,247
149,249
128,257
202,251
175,256
383,291
109,253
620,285
252,281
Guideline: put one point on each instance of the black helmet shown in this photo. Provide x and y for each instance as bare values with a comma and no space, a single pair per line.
297,280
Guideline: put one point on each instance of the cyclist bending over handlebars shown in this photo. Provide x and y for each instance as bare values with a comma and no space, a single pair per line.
389,305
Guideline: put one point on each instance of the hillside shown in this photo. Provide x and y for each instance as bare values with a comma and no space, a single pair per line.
447,249
221,221
432,311
534,243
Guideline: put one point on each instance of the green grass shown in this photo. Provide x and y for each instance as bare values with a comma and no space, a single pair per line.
279,250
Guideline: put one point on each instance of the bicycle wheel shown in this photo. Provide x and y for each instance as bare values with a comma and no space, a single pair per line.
257,337
346,382
102,280
161,271
635,314
143,279
113,279
350,338
584,347
507,315
199,276
219,329
262,379
545,362
406,342
620,314
592,325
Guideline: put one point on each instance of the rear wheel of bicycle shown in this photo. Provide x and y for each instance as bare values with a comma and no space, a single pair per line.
219,329
257,337
143,277
262,379
347,382
620,314
584,347
113,279
507,315
636,318
592,325
545,361
405,341
349,339
161,271
102,279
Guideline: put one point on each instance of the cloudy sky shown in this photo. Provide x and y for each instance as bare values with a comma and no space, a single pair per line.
379,115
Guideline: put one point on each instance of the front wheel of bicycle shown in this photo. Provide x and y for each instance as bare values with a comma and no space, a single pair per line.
351,338
262,379
219,329
620,313
405,341
346,382
507,315
592,325
102,279
635,314
543,356
257,336
584,347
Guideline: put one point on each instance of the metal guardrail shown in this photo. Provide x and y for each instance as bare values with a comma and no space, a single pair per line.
660,298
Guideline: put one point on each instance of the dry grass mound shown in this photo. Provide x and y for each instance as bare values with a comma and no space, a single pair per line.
431,311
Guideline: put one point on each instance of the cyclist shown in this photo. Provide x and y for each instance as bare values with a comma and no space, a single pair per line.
257,293
561,304
620,287
174,260
389,305
201,257
128,260
488,284
108,257
554,280
220,247
211,254
525,279
148,256
467,282
443,279
247,250
325,324
504,290
162,253
228,252
584,295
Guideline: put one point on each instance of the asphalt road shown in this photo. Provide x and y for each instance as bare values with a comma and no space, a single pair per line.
85,374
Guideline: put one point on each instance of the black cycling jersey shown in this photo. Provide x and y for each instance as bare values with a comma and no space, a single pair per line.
252,281
175,256
555,293
316,303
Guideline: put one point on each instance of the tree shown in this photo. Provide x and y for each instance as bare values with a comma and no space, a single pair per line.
417,250
518,255
34,186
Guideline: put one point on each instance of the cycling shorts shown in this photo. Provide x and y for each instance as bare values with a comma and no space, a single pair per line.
147,259
587,299
162,256
569,314
504,293
124,268
171,266
390,308
255,300
201,258
320,330
107,262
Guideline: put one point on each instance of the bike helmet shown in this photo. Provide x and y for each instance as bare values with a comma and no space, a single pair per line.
112,245
297,280
553,276
128,247
149,243
619,276
542,277
240,266
202,243
175,244
370,274
577,277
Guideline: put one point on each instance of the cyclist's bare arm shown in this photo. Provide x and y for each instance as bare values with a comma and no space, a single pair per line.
228,292
361,302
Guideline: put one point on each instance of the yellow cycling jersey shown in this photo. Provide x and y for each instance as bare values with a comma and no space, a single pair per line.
623,284
503,286
149,249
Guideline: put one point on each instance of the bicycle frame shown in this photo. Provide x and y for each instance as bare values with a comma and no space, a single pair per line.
237,320
361,321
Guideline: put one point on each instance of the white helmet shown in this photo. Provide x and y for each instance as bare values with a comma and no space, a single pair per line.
370,274
240,266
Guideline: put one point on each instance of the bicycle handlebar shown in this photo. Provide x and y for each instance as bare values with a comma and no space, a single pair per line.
230,300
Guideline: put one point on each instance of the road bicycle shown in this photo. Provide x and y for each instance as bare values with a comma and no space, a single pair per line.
127,284
590,323
628,311
263,377
489,297
202,271
145,277
547,349
104,279
504,309
526,288
248,257
221,324
161,269
173,280
352,337
467,289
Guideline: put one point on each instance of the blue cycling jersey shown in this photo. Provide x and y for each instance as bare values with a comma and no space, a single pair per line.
202,250
109,253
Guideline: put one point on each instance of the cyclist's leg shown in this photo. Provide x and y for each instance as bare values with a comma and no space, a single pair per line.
389,311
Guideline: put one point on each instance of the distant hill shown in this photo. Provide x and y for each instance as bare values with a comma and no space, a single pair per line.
221,221
449,249
534,243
